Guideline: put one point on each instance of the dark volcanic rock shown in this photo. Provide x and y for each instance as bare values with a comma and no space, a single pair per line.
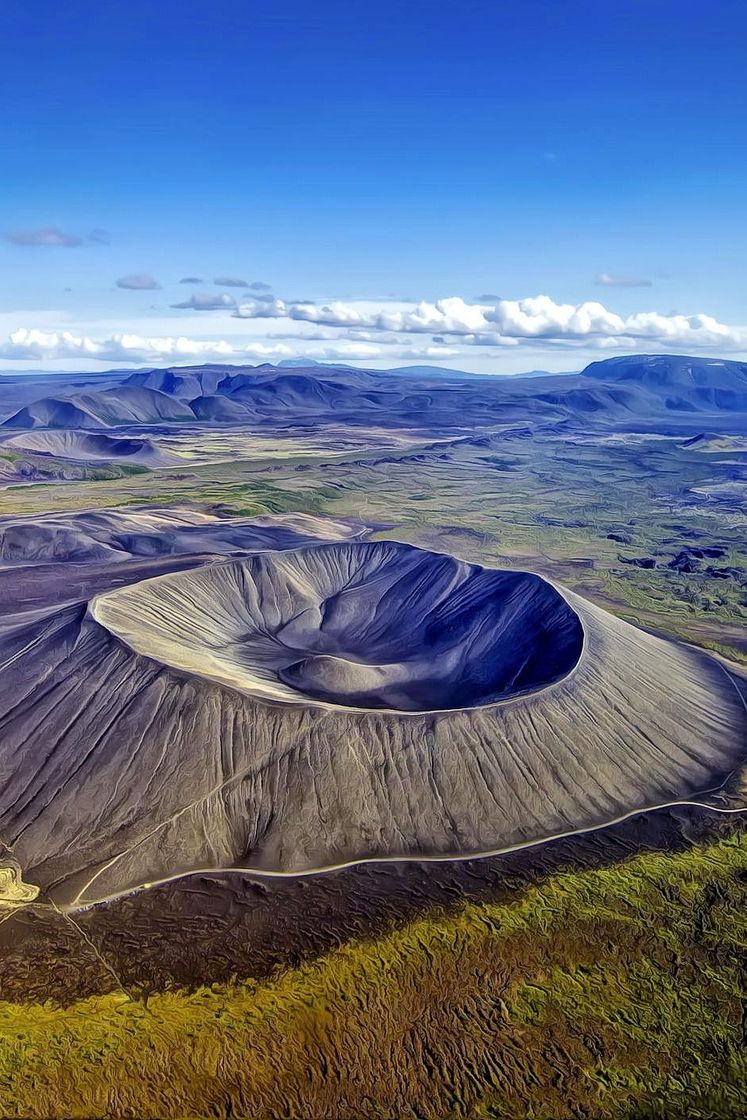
684,562
725,573
638,561
621,538
689,559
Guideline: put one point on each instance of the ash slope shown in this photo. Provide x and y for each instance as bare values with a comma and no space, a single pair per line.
84,446
119,769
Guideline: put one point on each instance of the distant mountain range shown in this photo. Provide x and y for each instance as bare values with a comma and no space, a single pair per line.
662,386
443,371
409,371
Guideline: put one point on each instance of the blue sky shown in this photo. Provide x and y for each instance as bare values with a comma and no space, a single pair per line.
367,158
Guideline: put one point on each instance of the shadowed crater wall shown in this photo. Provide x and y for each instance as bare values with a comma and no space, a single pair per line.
373,625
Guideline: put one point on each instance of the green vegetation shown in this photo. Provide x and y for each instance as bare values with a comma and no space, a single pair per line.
239,493
45,471
606,993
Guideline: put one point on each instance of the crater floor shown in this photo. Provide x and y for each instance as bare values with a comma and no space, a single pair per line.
365,625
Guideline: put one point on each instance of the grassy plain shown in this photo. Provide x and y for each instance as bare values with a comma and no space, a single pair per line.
605,993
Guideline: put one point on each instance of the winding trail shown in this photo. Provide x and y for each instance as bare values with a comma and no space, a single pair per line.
260,873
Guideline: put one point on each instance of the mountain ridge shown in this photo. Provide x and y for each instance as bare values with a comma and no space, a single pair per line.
643,386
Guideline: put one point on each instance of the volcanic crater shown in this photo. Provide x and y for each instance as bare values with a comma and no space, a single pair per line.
292,711
364,625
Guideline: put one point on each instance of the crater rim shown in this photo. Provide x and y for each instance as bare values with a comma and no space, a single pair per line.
99,609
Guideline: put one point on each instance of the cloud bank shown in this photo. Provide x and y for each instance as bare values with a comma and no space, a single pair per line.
510,322
49,237
484,334
27,344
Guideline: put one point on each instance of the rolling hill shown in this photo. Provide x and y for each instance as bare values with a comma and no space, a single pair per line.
109,408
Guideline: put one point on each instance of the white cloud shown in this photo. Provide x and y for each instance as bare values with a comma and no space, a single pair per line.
138,282
34,345
52,237
451,315
608,281
509,322
26,344
262,350
433,353
488,336
29,343
206,301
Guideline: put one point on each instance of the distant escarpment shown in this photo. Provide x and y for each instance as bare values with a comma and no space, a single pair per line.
683,383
